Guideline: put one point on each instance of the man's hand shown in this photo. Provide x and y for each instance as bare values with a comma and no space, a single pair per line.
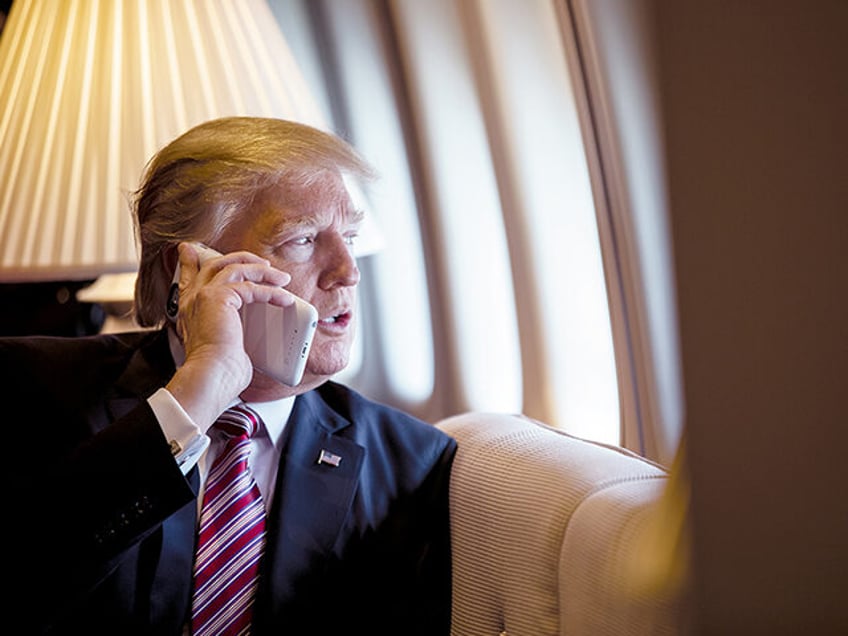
212,290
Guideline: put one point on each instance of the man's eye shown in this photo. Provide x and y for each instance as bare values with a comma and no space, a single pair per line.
350,239
302,240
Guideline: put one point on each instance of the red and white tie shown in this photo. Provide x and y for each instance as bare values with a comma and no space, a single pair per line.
232,534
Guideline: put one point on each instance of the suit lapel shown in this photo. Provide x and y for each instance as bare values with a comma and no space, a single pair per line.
312,498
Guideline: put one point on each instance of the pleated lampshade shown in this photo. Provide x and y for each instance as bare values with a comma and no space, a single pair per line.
91,89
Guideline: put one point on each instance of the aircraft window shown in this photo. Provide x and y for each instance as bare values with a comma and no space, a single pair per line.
490,293
463,211
552,217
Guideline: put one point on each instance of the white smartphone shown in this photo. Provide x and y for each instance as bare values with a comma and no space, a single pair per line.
277,339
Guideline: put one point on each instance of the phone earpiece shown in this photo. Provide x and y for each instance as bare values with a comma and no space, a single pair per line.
172,305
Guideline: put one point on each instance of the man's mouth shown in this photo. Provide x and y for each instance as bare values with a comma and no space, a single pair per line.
337,320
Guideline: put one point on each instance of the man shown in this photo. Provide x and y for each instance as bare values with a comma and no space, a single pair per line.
355,538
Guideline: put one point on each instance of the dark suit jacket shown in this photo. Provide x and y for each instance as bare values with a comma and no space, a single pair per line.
359,548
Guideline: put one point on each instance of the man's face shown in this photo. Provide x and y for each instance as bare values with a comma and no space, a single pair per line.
308,231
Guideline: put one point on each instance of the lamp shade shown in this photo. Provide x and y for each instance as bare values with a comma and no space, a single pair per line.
91,89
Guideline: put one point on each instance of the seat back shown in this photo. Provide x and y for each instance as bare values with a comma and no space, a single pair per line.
553,534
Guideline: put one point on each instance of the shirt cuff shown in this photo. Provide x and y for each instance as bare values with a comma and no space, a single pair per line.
184,437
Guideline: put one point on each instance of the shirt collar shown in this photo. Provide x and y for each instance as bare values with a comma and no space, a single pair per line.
274,416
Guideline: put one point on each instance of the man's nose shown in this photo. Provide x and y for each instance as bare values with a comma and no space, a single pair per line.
340,267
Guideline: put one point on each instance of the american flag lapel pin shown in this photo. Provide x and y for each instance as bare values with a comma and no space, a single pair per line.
331,459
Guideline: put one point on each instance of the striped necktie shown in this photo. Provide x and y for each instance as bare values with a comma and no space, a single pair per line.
232,534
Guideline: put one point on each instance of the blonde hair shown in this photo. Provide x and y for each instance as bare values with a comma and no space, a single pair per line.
197,184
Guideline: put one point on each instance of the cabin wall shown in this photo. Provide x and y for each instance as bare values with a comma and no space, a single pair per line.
755,100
